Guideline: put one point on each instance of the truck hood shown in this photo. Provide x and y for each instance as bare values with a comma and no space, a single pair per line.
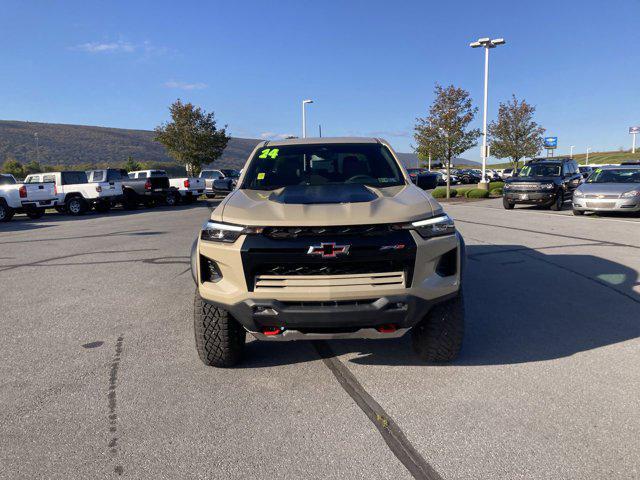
331,205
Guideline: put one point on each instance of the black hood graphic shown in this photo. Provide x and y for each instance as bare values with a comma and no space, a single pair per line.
322,194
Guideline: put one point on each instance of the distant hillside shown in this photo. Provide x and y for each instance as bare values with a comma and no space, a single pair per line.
79,144
61,144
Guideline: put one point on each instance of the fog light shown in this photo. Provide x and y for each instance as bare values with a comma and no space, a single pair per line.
209,270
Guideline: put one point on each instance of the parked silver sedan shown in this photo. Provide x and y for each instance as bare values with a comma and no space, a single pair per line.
609,189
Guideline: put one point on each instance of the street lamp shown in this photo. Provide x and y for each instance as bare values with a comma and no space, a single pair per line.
37,147
304,119
587,161
487,43
571,154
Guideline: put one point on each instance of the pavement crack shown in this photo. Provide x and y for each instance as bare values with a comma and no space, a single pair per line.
112,404
392,434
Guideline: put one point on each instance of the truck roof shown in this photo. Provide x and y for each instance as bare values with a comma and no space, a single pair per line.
321,140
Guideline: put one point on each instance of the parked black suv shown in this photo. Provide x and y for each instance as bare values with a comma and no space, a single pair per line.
542,181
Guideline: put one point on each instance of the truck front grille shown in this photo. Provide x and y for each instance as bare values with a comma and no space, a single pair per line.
299,232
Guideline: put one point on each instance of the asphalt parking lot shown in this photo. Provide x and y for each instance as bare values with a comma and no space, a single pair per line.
100,378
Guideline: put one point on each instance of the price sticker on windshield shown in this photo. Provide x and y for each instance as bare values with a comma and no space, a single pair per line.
269,152
261,176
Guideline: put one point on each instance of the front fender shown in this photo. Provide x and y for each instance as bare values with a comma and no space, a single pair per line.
194,261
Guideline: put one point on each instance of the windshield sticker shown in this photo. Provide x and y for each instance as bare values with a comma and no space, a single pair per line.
261,176
269,152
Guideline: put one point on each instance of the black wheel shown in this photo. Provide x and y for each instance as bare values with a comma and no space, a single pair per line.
438,337
171,199
75,206
129,201
556,206
578,212
35,213
60,209
219,337
103,207
6,212
507,204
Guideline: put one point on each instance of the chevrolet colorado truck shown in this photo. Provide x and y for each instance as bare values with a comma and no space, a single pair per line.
327,238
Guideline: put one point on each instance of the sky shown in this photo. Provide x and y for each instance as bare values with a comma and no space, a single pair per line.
370,66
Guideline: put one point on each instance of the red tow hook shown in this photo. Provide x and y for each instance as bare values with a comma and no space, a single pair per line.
387,328
271,331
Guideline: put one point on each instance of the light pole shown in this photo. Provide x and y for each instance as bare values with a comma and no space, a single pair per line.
487,43
37,147
587,161
304,118
571,154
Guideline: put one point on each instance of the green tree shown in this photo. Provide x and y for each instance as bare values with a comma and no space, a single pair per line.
32,167
191,137
515,135
444,132
131,165
14,167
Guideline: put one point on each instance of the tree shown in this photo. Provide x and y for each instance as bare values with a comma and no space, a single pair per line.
191,137
443,133
515,135
32,167
131,165
14,167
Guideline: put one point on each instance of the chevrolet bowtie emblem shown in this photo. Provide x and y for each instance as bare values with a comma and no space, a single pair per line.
328,250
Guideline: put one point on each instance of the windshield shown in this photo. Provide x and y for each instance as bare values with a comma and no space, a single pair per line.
231,173
7,180
621,175
329,164
540,170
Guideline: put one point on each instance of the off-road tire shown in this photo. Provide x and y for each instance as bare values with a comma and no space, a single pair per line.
507,204
578,212
36,213
557,204
6,212
75,206
438,337
220,338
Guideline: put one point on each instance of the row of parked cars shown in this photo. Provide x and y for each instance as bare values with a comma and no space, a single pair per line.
75,192
551,182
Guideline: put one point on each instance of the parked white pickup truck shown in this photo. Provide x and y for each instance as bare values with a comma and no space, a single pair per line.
74,194
190,188
32,199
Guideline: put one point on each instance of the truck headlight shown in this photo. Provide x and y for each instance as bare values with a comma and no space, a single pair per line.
630,194
433,227
225,232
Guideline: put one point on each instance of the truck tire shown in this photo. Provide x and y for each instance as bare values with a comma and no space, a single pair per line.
6,212
556,206
438,337
171,199
35,213
578,212
507,204
219,337
75,206
60,209
130,201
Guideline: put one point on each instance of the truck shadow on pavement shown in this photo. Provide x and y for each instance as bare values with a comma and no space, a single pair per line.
522,305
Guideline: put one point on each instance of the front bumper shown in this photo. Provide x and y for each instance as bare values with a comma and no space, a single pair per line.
606,204
353,310
530,198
